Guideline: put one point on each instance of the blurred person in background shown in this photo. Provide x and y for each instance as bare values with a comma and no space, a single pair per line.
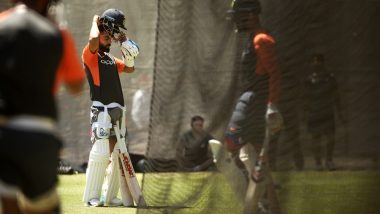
140,115
256,110
261,86
323,104
193,151
35,57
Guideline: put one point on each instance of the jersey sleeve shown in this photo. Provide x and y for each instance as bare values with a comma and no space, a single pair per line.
90,64
88,56
70,68
120,64
265,47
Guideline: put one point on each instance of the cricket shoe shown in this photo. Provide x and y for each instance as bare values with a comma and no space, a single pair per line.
115,202
94,202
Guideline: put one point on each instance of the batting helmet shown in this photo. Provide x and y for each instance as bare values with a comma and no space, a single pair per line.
244,6
112,20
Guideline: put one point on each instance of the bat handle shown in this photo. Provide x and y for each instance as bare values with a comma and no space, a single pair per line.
122,146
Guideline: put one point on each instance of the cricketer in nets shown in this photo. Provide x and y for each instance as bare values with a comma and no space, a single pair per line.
102,71
255,117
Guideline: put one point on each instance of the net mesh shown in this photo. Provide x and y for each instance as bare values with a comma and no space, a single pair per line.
197,71
194,74
189,64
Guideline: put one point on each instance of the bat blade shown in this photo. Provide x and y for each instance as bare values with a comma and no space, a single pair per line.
131,179
251,198
129,172
257,190
126,195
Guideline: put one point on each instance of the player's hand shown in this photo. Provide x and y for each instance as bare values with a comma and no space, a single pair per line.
274,119
96,20
119,37
257,171
130,50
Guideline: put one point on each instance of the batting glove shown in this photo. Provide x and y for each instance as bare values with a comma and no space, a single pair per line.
130,50
273,118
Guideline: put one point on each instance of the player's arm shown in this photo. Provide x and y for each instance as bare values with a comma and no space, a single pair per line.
121,67
266,52
93,40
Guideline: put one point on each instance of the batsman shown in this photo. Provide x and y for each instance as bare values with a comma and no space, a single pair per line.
102,70
255,118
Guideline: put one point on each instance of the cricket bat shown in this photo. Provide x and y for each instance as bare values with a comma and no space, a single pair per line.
128,170
126,195
257,189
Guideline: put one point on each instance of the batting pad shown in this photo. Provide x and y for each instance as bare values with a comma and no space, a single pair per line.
96,169
111,184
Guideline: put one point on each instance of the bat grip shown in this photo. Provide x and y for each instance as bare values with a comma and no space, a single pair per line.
123,126
122,146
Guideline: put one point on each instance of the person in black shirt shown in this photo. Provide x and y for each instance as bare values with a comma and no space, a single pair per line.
193,151
322,89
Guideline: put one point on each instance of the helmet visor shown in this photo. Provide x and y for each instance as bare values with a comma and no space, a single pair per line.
107,24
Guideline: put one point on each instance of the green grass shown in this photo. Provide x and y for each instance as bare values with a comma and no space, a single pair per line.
71,189
300,192
341,192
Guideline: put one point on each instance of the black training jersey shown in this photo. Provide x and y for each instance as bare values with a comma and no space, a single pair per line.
322,91
102,72
192,151
30,52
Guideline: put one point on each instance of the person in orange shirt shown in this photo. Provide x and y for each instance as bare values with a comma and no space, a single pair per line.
30,147
256,109
103,71
255,117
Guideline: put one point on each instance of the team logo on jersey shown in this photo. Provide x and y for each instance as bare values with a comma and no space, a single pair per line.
107,62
